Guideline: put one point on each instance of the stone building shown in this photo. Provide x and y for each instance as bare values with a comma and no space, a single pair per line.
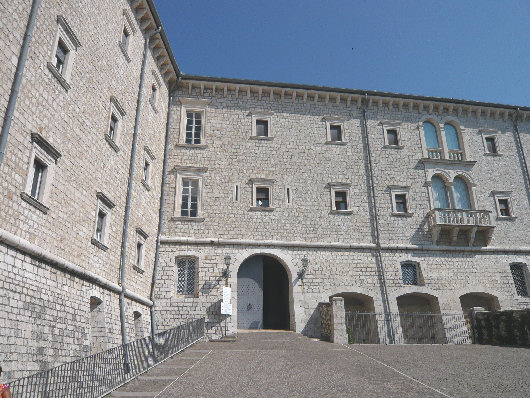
397,203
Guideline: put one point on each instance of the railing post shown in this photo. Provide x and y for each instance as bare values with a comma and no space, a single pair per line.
338,324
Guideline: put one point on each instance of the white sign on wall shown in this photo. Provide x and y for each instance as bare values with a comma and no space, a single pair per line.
226,304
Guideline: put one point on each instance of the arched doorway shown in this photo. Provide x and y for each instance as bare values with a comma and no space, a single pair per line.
262,294
420,318
361,319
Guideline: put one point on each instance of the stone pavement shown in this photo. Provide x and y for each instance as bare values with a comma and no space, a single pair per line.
286,364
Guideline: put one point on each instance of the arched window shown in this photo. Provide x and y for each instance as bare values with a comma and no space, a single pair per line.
431,137
440,193
461,194
451,137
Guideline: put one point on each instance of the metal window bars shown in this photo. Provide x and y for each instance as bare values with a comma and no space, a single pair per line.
101,373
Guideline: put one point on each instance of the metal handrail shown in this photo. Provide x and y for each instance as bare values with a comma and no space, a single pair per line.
97,375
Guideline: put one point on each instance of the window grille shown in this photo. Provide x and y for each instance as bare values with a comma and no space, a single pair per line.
518,272
409,274
193,127
186,276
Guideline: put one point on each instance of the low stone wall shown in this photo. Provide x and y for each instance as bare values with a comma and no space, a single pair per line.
325,320
510,328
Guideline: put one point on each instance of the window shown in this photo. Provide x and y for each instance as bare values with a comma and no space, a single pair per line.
452,140
340,197
439,191
193,122
519,271
490,139
154,93
491,146
193,127
335,133
262,194
125,39
128,29
41,167
288,195
391,134
236,193
146,175
461,194
262,128
104,206
113,131
141,237
186,271
188,201
261,125
503,204
65,46
432,143
409,273
399,196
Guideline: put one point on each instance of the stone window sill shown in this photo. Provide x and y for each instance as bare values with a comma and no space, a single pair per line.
192,146
341,212
34,202
396,214
124,52
153,105
112,143
492,154
190,219
261,208
506,218
393,146
58,76
146,185
98,244
260,138
336,143
138,269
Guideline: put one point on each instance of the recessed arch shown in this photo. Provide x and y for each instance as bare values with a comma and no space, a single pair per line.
485,300
356,302
431,134
420,320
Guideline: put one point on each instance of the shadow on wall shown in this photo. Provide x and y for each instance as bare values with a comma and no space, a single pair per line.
313,328
505,328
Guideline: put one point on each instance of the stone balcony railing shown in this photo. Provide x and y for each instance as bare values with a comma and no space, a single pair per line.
456,220
434,153
456,154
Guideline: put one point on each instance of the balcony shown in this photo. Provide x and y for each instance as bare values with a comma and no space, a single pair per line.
454,220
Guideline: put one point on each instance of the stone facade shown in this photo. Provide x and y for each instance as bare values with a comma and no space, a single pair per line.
60,285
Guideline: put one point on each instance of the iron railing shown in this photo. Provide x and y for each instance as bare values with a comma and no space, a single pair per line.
408,328
98,374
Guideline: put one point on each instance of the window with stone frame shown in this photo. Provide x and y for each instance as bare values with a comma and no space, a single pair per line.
335,132
193,122
188,199
100,237
400,200
391,134
340,197
409,273
65,47
262,128
490,140
141,237
261,125
41,168
503,205
519,273
146,172
262,197
491,145
116,114
128,29
262,194
186,275
155,90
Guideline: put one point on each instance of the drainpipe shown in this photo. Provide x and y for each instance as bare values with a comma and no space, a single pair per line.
15,87
521,148
378,258
128,202
160,216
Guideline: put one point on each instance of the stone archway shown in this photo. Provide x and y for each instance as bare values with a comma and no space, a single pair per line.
263,294
361,320
479,299
420,319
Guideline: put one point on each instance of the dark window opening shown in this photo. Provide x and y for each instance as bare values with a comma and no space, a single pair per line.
401,203
519,279
139,254
490,145
38,175
147,167
125,39
409,274
288,194
113,127
60,56
335,132
504,208
100,226
392,136
341,202
262,128
262,197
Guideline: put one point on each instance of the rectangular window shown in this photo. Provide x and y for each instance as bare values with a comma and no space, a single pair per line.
401,203
288,195
101,230
186,275
341,200
236,193
392,137
100,226
262,197
519,279
147,170
154,92
139,254
60,56
335,132
125,39
504,208
113,126
262,128
409,274
39,170
491,147
193,127
190,198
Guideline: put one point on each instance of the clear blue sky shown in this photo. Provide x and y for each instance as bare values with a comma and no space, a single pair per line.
477,50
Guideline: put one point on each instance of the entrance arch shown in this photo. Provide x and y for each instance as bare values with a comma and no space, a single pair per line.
263,292
420,319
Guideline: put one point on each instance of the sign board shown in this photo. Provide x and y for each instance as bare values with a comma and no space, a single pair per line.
226,304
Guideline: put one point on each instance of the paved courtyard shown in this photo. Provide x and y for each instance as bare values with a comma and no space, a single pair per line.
286,364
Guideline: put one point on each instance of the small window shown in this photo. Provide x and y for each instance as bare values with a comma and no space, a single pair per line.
262,197
125,39
335,132
154,93
141,237
146,175
504,208
112,134
503,203
65,46
190,198
186,271
193,127
60,56
101,235
39,172
401,203
491,147
341,200
392,137
409,273
236,193
147,170
262,128
113,127
288,195
519,271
